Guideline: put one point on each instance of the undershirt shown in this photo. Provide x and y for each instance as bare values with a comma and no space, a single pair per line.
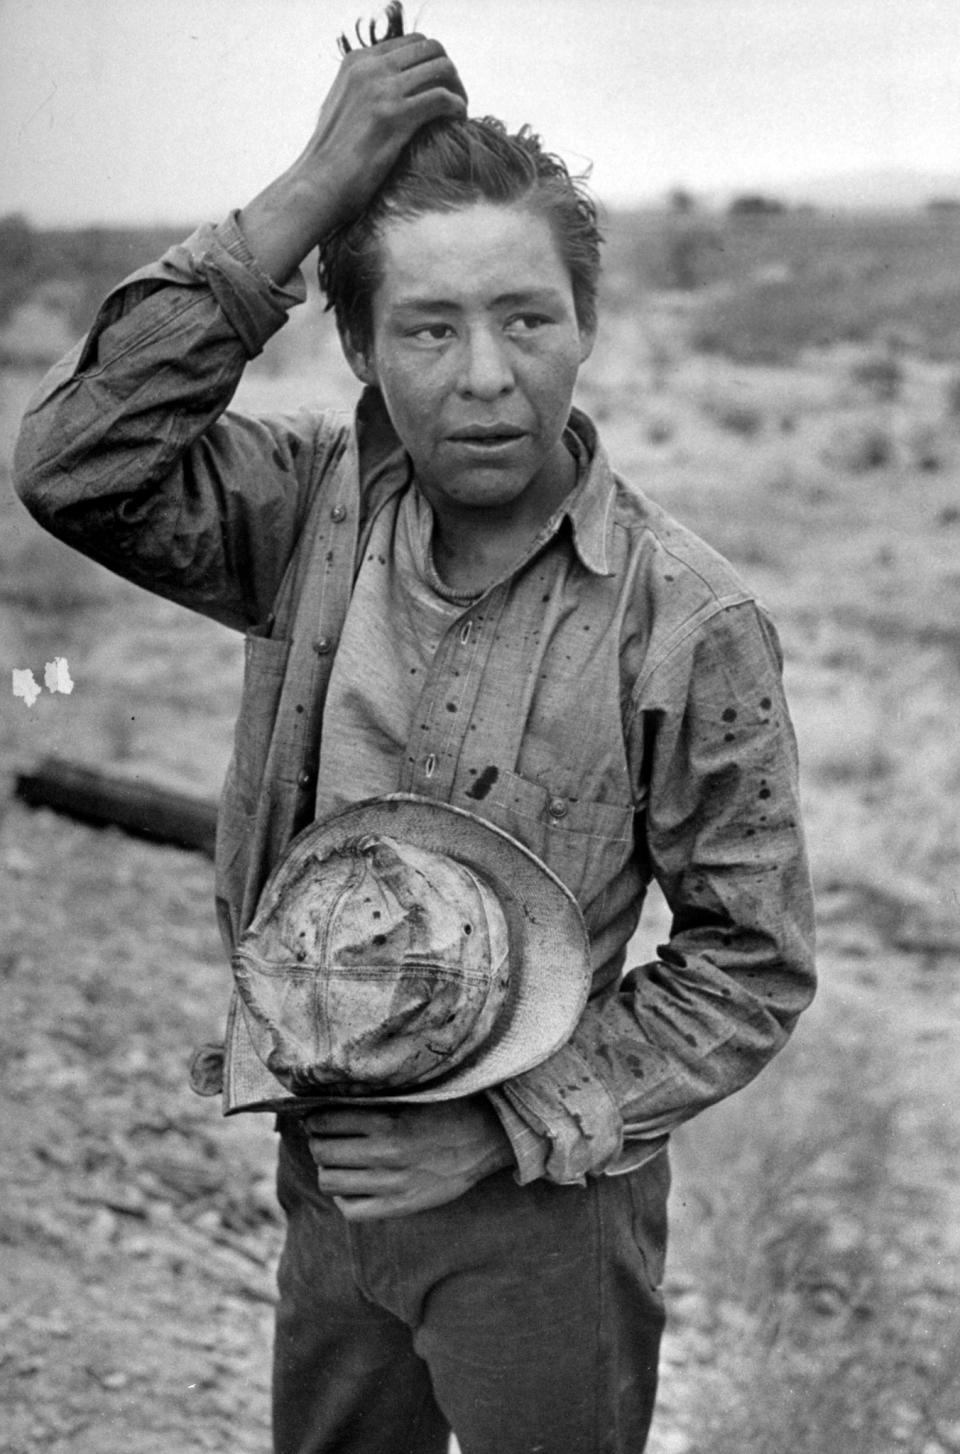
399,603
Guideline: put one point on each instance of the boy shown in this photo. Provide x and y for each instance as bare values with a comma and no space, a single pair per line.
454,596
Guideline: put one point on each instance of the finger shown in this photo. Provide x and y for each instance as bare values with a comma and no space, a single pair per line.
386,47
430,58
344,1151
346,1181
398,1203
436,73
433,105
419,48
372,1209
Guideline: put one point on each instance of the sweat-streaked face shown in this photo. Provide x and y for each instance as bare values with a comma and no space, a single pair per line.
476,349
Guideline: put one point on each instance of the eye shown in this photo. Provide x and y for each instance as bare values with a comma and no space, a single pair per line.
523,323
431,333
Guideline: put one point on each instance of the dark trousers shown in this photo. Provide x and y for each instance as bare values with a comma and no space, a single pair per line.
527,1319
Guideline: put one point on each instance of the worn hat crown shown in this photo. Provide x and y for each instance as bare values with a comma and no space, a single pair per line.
402,950
380,966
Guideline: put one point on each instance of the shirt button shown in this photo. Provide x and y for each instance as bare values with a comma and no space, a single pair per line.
304,777
323,646
557,808
338,514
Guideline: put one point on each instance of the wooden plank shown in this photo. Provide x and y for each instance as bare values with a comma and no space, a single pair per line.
146,810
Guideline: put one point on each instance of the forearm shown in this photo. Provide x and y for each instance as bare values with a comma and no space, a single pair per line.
670,1042
289,218
160,363
697,1024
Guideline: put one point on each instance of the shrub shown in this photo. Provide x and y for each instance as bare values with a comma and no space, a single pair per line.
691,252
660,430
737,416
860,448
926,448
755,204
881,374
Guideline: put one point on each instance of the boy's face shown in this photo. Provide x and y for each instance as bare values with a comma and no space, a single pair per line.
476,349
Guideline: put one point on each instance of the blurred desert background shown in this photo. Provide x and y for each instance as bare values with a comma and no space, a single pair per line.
786,380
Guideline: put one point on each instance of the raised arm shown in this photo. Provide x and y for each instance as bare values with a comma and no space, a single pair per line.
126,452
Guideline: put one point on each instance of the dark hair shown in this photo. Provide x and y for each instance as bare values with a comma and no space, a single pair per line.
448,165
394,28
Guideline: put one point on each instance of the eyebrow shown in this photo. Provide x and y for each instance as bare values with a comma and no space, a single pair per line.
522,298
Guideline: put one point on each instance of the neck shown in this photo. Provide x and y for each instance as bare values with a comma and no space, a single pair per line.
475,546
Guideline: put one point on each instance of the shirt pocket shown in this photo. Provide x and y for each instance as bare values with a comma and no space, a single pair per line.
264,670
239,819
585,843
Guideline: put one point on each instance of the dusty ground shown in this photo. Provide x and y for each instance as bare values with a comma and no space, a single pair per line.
138,1232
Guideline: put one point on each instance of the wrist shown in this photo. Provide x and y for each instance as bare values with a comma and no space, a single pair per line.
287,219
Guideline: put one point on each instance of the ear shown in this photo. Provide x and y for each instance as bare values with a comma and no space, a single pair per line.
359,359
588,337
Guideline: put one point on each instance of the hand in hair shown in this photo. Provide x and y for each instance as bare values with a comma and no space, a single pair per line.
382,95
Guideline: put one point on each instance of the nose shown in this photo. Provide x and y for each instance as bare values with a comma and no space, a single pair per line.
486,370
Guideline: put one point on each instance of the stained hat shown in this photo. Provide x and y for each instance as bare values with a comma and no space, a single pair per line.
403,950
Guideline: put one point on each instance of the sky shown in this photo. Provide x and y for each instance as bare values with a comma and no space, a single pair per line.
176,110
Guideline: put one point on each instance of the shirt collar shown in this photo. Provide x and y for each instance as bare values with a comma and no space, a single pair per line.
589,506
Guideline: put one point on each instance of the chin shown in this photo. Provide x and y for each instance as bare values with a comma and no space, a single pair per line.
480,488
484,494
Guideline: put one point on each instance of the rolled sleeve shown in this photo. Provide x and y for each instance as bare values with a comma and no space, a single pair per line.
253,303
571,1114
128,452
214,260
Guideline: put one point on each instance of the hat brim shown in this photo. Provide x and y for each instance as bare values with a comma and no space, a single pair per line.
550,954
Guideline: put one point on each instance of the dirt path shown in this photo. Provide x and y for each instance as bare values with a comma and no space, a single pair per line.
138,1233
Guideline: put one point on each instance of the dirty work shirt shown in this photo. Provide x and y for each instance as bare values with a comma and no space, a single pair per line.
400,604
618,698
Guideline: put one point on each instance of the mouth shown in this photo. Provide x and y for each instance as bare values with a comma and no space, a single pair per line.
487,434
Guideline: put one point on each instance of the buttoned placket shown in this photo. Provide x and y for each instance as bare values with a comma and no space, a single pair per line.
443,715
441,746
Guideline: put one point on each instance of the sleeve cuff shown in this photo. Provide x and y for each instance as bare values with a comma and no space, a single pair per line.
252,302
568,1118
